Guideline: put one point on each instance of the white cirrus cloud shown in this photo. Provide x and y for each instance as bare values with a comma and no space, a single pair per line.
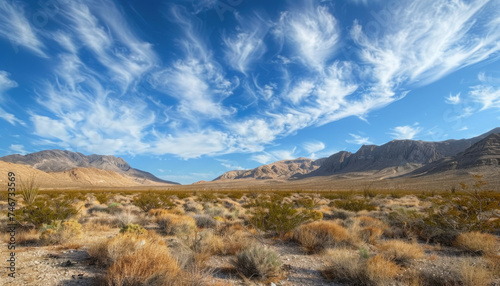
453,99
486,95
418,45
313,31
247,45
313,146
15,26
406,131
358,139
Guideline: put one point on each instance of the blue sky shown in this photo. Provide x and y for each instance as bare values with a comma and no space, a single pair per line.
188,90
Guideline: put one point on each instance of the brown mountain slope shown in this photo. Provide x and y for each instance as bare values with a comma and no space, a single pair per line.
73,178
61,160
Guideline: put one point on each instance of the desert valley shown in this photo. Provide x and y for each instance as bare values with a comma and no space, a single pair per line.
403,213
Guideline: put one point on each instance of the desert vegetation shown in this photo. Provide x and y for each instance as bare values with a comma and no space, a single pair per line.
292,237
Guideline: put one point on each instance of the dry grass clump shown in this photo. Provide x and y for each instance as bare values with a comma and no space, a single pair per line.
234,240
109,251
258,262
319,235
23,236
473,275
174,224
400,251
344,267
61,232
149,264
366,228
380,271
477,243
347,267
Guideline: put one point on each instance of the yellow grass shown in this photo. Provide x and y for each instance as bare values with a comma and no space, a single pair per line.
319,235
400,251
477,242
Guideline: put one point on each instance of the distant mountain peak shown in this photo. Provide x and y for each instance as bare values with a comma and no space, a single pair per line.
61,160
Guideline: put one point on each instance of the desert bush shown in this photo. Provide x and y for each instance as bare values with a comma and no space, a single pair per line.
475,275
380,271
280,218
215,211
367,228
60,232
102,197
46,211
401,252
207,197
319,235
133,229
29,189
149,201
108,251
349,268
150,264
173,224
354,205
477,243
205,221
258,262
344,266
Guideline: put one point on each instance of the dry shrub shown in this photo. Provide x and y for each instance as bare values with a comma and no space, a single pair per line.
344,267
173,224
258,262
472,275
109,251
401,252
477,243
24,237
381,271
234,242
366,228
319,235
61,232
151,264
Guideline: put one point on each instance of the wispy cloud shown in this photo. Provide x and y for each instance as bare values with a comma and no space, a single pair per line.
247,45
358,139
313,146
453,99
18,148
486,95
406,132
15,27
5,84
102,29
313,31
418,45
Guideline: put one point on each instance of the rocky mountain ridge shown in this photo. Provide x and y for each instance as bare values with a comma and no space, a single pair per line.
397,157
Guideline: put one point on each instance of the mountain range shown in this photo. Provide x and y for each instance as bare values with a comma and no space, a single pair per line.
402,162
394,159
79,167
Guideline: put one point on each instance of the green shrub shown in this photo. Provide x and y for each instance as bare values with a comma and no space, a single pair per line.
149,201
133,229
258,262
280,218
102,198
207,197
354,205
45,212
